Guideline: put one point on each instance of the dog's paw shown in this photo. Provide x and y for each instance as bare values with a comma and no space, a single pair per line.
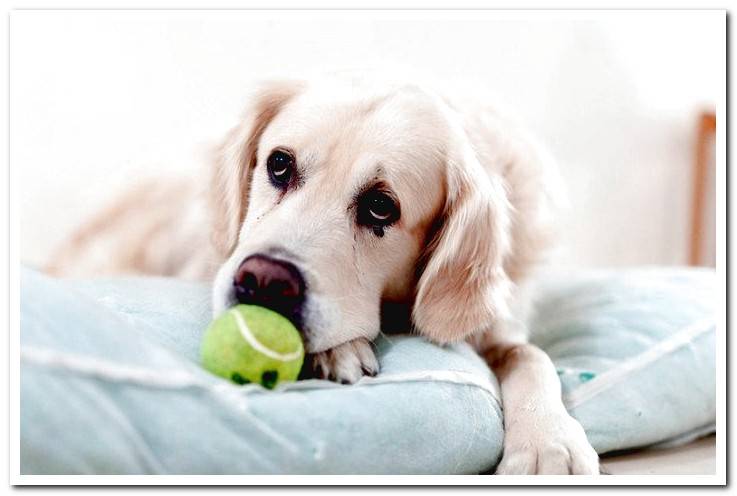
346,363
555,444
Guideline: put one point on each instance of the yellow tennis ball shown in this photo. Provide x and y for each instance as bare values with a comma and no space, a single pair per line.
252,344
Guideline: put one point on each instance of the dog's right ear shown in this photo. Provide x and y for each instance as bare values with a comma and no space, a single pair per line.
235,158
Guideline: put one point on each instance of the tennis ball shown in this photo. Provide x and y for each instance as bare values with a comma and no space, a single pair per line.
252,344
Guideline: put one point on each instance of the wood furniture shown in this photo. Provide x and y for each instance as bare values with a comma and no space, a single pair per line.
704,160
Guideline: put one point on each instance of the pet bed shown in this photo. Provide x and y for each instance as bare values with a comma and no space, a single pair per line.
110,383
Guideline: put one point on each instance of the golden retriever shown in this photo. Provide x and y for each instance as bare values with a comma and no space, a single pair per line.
348,207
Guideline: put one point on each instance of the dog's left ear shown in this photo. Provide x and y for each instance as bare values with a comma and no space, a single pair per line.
235,158
463,287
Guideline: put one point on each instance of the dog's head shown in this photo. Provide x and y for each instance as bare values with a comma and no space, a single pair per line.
331,200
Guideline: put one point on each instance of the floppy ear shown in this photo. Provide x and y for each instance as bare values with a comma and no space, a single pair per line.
235,158
463,287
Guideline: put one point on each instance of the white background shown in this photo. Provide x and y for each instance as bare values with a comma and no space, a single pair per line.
99,99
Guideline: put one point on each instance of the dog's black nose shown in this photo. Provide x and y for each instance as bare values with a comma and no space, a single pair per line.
271,283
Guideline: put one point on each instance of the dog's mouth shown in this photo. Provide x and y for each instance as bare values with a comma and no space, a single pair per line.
289,307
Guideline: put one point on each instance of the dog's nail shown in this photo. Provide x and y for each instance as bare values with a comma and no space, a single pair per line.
369,371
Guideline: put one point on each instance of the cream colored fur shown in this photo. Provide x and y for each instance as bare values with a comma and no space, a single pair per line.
477,197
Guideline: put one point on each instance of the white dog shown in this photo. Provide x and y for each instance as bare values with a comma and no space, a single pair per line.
349,207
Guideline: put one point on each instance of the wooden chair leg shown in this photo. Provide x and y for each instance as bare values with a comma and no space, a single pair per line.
705,133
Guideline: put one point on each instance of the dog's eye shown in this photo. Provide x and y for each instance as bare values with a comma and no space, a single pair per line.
280,165
377,209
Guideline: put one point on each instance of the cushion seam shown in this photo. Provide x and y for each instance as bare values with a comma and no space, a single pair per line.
181,379
611,377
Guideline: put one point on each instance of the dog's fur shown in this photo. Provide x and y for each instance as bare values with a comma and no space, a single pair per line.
476,197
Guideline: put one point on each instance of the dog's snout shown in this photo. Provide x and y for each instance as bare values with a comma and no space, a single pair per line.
271,283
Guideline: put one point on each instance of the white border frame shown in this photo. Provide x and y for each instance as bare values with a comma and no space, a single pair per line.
11,271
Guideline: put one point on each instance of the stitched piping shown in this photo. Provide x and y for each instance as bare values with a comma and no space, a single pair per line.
613,376
180,379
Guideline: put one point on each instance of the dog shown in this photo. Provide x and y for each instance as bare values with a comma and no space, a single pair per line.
352,207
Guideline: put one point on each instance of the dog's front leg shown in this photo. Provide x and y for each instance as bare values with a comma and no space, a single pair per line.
540,437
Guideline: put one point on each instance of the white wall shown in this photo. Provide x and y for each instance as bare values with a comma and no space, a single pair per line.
100,99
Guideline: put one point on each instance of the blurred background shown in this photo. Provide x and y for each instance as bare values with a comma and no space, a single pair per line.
625,101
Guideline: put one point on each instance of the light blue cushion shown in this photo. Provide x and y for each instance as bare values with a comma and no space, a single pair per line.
635,351
110,383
